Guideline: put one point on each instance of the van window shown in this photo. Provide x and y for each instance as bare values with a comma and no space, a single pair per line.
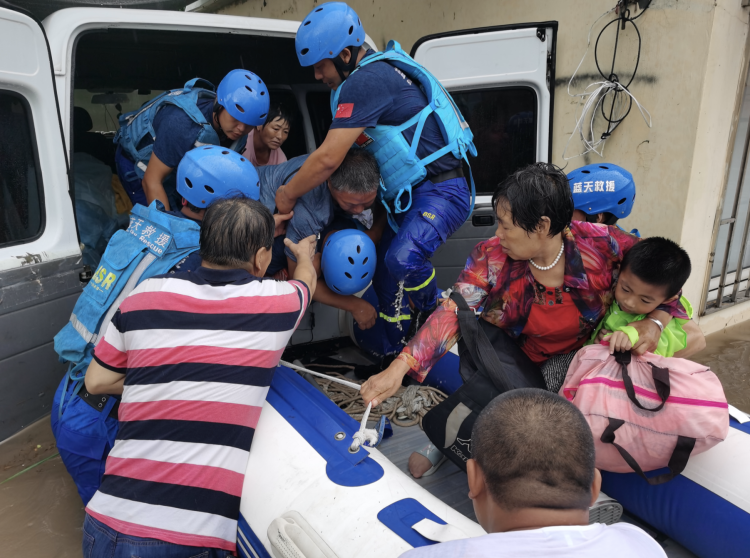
105,108
20,180
504,123
319,107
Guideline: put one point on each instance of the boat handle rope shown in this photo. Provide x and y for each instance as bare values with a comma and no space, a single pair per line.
364,434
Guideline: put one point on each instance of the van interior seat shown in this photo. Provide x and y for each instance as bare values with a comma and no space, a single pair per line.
93,143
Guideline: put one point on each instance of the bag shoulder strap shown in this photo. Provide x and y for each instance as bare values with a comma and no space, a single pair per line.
479,346
677,462
660,376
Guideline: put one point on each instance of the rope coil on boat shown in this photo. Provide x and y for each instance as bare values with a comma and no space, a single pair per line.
406,408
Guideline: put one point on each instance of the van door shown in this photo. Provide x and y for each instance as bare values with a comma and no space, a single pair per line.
39,252
502,79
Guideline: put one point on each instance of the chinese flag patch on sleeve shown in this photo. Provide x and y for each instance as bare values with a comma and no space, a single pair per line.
344,110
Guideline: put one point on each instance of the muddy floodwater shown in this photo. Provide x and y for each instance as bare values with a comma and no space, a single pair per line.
728,354
41,514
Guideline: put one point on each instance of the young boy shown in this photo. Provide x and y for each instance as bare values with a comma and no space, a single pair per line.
532,480
193,355
652,273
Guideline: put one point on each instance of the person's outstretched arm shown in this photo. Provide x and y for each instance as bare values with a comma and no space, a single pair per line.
153,181
304,251
318,167
438,334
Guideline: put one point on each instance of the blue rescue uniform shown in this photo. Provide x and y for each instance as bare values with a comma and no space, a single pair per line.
381,94
176,134
85,426
192,261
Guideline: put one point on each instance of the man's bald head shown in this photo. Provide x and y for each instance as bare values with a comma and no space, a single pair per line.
535,450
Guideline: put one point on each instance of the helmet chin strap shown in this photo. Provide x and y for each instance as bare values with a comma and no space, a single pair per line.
348,67
217,109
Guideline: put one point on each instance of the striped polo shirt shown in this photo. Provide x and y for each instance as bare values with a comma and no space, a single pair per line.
198,351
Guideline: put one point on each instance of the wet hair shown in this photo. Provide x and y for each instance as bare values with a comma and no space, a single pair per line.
535,450
358,173
234,229
536,191
659,261
280,111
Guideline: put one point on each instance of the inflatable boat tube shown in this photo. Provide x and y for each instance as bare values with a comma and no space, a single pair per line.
707,508
306,495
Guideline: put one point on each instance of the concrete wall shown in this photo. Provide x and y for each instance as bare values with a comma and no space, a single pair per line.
721,95
693,54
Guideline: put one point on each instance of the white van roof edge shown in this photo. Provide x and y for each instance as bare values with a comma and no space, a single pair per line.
64,25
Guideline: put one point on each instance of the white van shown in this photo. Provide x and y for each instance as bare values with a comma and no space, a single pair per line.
109,60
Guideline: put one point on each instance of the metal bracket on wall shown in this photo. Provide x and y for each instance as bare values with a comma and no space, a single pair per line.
642,4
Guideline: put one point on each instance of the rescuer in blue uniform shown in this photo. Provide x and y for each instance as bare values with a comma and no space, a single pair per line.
152,140
388,104
156,242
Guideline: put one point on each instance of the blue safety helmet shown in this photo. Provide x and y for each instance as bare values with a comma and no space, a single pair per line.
602,188
348,261
210,173
326,31
244,95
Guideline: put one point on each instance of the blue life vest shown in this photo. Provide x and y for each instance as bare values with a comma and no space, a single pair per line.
400,168
153,243
136,125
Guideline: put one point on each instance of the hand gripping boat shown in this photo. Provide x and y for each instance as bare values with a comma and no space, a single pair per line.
306,495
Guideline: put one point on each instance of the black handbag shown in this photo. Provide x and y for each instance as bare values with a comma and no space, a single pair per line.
491,363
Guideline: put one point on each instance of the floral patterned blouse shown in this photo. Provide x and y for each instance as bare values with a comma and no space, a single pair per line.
503,289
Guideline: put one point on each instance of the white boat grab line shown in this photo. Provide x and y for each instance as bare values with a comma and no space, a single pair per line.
364,434
319,375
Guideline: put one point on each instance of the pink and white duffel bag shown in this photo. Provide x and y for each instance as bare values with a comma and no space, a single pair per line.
646,412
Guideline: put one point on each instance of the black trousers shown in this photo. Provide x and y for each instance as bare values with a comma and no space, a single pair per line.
449,424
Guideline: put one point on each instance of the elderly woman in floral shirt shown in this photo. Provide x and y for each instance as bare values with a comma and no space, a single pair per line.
543,280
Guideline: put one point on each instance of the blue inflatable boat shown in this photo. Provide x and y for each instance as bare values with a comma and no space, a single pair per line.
306,495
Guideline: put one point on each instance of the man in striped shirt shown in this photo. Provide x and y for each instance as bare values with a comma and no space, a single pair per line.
193,355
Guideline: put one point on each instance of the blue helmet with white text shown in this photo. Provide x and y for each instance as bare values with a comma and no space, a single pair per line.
210,173
602,188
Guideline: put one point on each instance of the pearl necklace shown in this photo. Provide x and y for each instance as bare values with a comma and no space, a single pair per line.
553,264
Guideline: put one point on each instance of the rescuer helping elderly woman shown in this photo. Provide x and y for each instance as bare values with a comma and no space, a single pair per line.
387,104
